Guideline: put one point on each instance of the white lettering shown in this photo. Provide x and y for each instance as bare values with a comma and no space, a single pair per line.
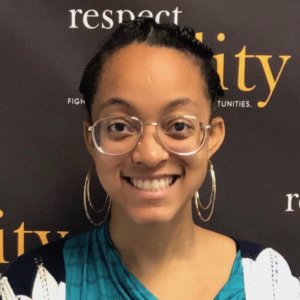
121,13
75,101
290,198
176,12
91,13
108,19
73,17
234,103
146,13
157,18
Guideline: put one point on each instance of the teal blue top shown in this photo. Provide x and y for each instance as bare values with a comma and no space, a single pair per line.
94,270
234,287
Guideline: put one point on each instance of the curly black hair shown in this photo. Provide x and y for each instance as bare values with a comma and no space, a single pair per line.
146,30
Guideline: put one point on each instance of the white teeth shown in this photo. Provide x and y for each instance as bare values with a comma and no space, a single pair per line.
152,185
156,184
139,184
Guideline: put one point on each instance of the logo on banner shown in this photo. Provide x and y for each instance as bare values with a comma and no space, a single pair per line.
21,233
93,19
270,66
243,60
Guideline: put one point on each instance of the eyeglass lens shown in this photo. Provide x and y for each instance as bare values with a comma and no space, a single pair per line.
119,135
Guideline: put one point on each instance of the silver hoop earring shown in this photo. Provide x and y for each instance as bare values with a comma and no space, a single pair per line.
211,204
88,203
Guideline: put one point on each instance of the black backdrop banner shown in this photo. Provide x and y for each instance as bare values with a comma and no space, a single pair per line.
45,46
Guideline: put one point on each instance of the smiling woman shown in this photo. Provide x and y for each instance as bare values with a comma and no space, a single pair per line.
152,131
145,77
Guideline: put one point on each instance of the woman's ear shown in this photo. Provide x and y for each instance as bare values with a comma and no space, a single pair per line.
216,135
88,138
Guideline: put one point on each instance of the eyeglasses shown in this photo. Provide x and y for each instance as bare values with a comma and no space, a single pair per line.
117,135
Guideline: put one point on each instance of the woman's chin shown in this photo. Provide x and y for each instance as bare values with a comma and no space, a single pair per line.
152,216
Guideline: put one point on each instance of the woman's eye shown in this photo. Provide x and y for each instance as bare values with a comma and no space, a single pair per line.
179,129
180,126
118,130
118,127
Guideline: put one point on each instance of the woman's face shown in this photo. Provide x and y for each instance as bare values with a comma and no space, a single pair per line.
152,82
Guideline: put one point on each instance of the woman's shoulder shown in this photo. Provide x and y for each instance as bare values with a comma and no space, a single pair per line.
253,254
32,268
267,272
259,254
41,271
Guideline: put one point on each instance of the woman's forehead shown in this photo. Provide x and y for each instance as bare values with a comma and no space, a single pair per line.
141,56
142,74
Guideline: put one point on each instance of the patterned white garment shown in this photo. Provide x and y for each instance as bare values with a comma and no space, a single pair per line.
269,277
44,287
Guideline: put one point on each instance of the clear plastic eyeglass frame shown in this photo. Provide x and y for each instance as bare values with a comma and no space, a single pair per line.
205,128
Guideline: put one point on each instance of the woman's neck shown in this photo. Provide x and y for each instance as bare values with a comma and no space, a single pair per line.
153,245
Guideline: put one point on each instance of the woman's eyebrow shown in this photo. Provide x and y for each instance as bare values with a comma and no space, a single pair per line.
177,103
128,106
116,101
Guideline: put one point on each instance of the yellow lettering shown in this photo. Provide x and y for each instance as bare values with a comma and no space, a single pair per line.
220,69
264,59
221,37
199,36
242,56
21,238
42,235
218,57
220,61
2,259
62,233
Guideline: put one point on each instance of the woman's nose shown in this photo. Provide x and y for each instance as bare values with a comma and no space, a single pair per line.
149,150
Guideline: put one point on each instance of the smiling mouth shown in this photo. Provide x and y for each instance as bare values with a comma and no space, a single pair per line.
152,184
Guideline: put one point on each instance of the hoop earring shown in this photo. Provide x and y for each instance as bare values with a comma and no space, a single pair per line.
87,201
211,204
